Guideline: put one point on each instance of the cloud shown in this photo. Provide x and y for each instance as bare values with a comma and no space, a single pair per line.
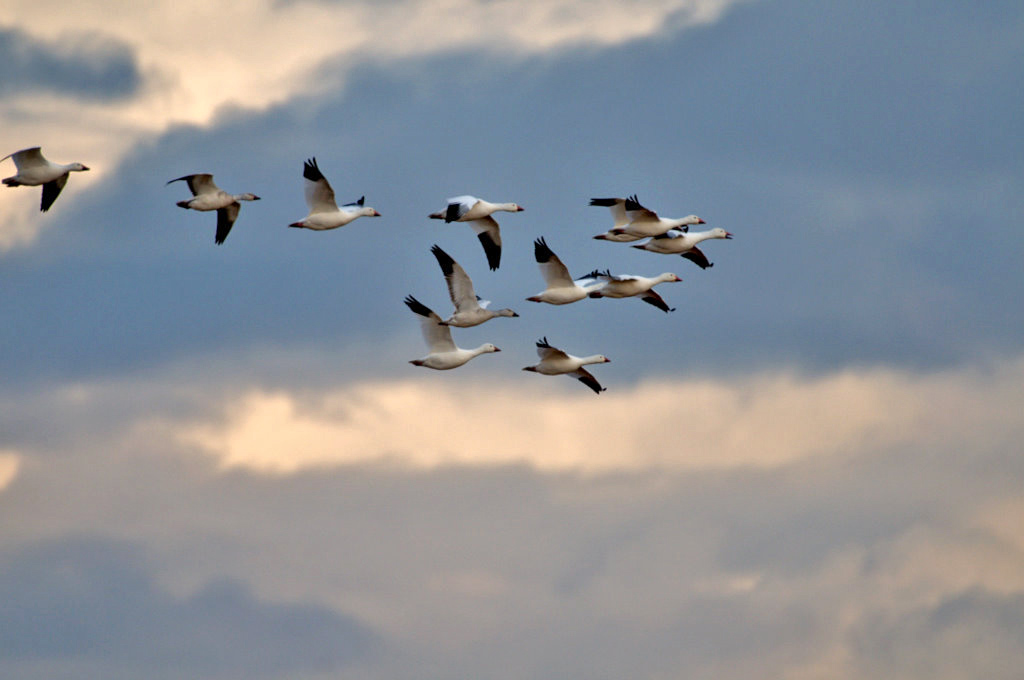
464,560
94,604
9,463
763,420
89,66
974,633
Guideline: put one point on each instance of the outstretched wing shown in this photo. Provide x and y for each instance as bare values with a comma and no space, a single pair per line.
437,336
652,298
27,158
638,213
201,183
318,191
617,207
584,376
51,190
555,274
487,231
460,286
696,256
226,217
547,353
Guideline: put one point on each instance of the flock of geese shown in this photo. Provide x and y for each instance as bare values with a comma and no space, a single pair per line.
631,222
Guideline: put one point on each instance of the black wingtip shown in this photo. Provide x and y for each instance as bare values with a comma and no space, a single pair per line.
543,342
311,171
541,252
604,202
658,303
633,203
491,249
443,259
592,384
697,257
417,306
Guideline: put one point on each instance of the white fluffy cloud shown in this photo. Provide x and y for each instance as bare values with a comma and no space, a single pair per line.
762,420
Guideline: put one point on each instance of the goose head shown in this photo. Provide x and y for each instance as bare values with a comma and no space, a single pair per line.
247,197
77,167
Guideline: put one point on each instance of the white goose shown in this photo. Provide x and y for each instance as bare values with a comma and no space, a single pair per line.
562,289
470,310
644,222
554,361
443,354
677,243
627,285
324,212
34,169
208,196
478,212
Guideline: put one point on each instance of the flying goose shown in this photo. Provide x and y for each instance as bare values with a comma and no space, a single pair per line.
561,288
644,222
208,196
470,310
554,361
674,242
443,354
478,212
627,285
34,169
324,212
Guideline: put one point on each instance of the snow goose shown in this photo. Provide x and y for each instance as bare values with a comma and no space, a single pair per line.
644,222
208,196
675,242
627,285
470,310
554,361
443,354
34,169
562,289
478,212
324,212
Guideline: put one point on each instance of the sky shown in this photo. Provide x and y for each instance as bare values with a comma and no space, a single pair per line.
216,461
